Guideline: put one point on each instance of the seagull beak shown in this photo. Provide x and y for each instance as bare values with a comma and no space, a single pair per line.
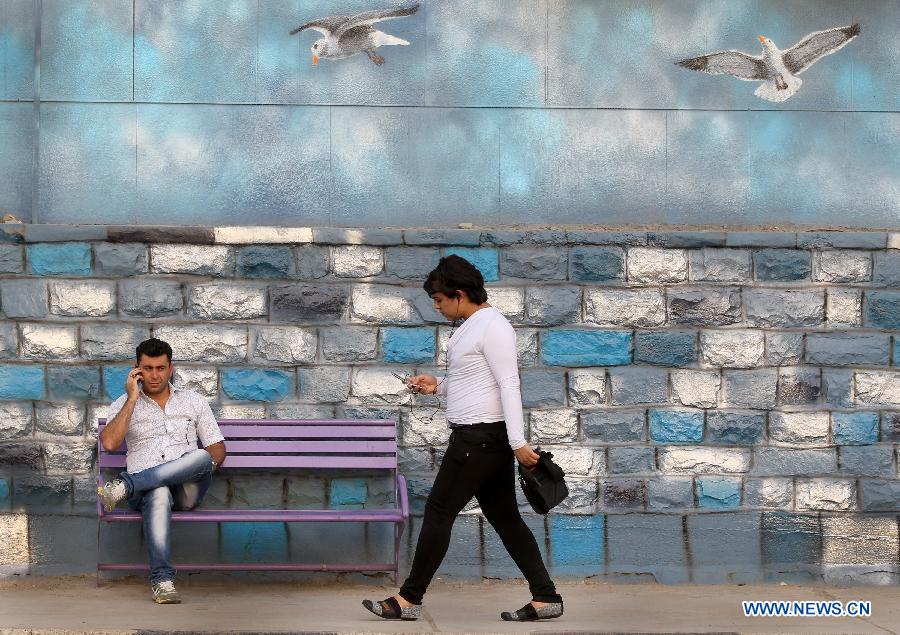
762,38
315,59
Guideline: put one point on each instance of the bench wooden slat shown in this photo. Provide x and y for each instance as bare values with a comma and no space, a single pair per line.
311,432
284,461
300,447
268,515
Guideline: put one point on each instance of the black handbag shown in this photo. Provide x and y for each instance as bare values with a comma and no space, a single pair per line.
545,485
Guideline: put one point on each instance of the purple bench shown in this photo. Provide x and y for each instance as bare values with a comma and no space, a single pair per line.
355,444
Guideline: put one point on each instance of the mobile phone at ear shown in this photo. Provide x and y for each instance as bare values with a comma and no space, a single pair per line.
403,378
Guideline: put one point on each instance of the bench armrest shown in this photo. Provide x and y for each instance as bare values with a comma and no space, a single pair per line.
402,495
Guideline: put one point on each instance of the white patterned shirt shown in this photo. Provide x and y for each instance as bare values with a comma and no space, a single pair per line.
156,435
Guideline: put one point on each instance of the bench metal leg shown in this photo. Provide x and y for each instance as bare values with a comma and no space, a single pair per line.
398,536
99,524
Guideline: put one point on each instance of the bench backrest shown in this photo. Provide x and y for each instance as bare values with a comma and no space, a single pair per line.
296,443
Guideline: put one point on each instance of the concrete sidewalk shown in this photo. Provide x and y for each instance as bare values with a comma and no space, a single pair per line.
76,605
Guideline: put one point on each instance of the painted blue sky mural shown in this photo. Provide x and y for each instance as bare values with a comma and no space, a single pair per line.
500,112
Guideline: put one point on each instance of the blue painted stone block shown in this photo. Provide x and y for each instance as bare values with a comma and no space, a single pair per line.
407,346
256,384
586,348
896,350
782,264
347,493
676,426
265,262
60,259
74,382
852,428
485,260
735,428
597,264
718,493
4,493
576,540
114,381
254,542
666,348
21,382
883,309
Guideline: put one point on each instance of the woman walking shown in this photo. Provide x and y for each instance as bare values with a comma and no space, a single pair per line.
484,411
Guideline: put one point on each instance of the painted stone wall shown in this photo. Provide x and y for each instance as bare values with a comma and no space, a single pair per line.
726,404
500,112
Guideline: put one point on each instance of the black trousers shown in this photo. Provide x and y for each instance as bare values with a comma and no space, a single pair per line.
478,463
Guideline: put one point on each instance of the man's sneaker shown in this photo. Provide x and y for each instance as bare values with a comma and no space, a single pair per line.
113,493
164,593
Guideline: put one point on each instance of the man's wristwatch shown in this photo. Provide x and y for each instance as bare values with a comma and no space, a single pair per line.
215,465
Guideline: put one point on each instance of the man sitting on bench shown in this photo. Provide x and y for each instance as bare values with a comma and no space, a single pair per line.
164,466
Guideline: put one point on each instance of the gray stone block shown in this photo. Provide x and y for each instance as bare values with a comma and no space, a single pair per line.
670,493
203,381
526,346
698,388
799,386
12,259
651,265
735,427
887,268
725,548
415,459
299,411
266,261
466,237
22,454
639,385
703,460
842,266
631,460
199,260
534,264
878,388
720,265
837,387
120,260
760,239
867,460
307,302
843,307
325,384
24,298
689,239
890,426
625,307
45,341
76,298
784,348
357,236
553,426
505,238
578,460
553,305
69,458
597,264
410,263
614,426
732,348
59,419
587,237
112,341
206,343
510,301
147,297
782,265
306,492
16,420
798,428
357,261
623,494
783,308
386,304
182,235
543,388
220,301
287,344
879,495
32,492
651,544
349,343
826,494
750,388
770,493
848,349
790,462
841,239
313,262
587,386
704,307
9,340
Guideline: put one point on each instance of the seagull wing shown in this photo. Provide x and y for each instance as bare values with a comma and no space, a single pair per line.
371,17
325,26
815,45
735,63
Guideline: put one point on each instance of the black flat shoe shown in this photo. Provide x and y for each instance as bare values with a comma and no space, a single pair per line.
389,609
530,614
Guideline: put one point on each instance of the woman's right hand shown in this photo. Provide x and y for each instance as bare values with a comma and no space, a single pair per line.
423,384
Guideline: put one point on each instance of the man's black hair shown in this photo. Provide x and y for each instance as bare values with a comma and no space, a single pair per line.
453,274
153,348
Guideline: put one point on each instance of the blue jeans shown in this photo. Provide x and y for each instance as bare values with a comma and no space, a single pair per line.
179,484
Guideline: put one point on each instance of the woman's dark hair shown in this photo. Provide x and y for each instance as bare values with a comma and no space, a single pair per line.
454,274
153,348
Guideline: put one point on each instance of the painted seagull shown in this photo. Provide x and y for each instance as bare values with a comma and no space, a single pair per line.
777,69
348,35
